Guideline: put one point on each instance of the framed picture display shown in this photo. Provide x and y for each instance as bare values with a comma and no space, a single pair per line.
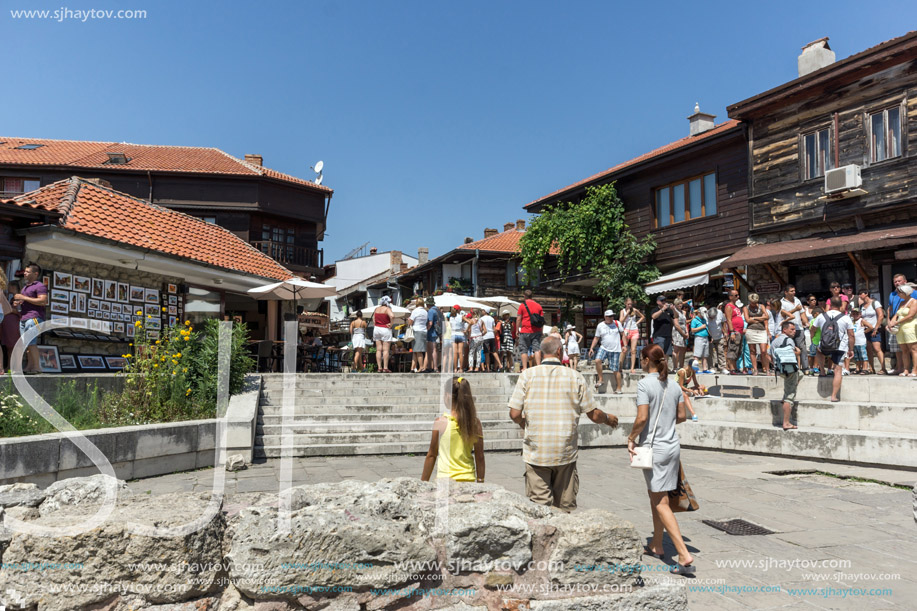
105,306
151,295
123,289
129,330
60,308
46,280
173,320
106,315
79,323
91,362
118,327
173,310
80,307
154,323
154,334
98,288
74,300
173,300
94,304
59,295
48,360
136,318
95,325
82,284
136,293
106,328
63,332
68,362
116,363
92,313
151,309
63,319
116,308
173,288
111,290
63,281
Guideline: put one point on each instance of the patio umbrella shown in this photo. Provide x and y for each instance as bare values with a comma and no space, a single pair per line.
449,300
501,303
398,313
293,288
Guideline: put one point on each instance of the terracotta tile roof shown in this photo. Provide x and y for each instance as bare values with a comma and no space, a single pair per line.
90,209
668,148
142,157
508,241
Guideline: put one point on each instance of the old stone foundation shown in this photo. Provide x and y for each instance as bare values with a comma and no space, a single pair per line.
349,546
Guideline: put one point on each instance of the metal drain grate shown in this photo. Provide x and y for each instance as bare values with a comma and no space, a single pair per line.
738,527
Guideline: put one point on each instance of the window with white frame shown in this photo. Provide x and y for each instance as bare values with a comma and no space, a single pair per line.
885,134
816,154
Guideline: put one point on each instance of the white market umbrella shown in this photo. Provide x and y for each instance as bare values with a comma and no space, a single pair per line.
398,313
293,288
501,303
450,300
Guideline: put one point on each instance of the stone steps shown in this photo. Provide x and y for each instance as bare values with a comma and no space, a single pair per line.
419,448
380,409
360,418
336,426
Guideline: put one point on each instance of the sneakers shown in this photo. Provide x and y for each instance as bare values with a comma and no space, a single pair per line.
846,372
694,418
706,371
725,372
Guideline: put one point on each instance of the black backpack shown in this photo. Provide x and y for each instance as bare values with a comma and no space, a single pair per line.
830,335
535,320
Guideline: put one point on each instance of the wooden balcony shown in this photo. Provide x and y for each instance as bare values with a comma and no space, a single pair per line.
296,258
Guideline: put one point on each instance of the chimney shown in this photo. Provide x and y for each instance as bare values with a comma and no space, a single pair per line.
508,226
373,250
700,121
520,225
489,232
423,255
469,240
99,181
404,267
257,160
395,260
815,56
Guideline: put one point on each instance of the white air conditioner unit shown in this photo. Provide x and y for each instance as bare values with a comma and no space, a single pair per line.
843,178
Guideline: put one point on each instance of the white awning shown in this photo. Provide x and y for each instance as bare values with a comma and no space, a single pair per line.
683,278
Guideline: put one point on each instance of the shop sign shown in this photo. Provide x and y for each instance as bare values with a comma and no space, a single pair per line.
767,288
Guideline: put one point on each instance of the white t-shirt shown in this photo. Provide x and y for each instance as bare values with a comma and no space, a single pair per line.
844,324
458,325
859,333
869,313
610,336
630,322
487,321
787,305
419,318
715,325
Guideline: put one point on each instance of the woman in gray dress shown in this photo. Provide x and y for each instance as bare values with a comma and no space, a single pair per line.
659,397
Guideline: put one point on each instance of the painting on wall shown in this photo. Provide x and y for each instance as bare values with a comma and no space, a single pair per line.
123,289
91,362
98,288
63,281
48,360
151,295
82,284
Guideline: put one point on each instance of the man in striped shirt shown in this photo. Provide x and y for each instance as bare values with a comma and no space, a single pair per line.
547,404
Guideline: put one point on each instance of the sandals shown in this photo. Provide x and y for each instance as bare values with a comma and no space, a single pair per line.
648,552
682,569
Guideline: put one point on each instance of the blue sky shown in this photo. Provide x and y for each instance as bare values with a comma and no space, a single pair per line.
434,119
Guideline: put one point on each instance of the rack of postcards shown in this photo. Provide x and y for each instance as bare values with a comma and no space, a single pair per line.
102,310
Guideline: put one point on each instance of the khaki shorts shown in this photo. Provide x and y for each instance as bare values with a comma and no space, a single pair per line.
552,486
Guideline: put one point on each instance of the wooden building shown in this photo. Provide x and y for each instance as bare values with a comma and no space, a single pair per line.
280,215
689,194
833,159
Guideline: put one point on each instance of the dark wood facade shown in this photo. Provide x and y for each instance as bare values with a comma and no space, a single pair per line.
692,241
254,208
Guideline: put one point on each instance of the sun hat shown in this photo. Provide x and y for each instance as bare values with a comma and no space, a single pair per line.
430,301
609,312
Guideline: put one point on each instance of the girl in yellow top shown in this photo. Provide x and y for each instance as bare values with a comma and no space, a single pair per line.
455,434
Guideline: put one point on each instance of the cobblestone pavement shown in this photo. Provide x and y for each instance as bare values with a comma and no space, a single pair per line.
838,544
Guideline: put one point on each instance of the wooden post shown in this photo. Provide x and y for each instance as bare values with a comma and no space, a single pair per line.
742,280
856,264
775,275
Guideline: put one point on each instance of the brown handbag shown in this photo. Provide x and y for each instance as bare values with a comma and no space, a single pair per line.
682,498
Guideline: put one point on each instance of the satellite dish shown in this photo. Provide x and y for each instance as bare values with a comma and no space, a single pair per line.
318,180
318,166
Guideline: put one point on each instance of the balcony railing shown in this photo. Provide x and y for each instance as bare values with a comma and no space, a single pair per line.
291,255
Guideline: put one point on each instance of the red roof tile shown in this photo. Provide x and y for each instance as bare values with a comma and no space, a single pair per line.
90,209
142,157
508,241
668,148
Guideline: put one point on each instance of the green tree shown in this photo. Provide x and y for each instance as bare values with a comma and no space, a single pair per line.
592,237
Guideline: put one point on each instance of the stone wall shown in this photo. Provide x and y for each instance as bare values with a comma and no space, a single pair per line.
393,544
55,263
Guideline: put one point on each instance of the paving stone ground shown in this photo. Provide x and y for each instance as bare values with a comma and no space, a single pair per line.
838,544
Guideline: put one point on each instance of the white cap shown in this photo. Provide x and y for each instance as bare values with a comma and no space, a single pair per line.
609,312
